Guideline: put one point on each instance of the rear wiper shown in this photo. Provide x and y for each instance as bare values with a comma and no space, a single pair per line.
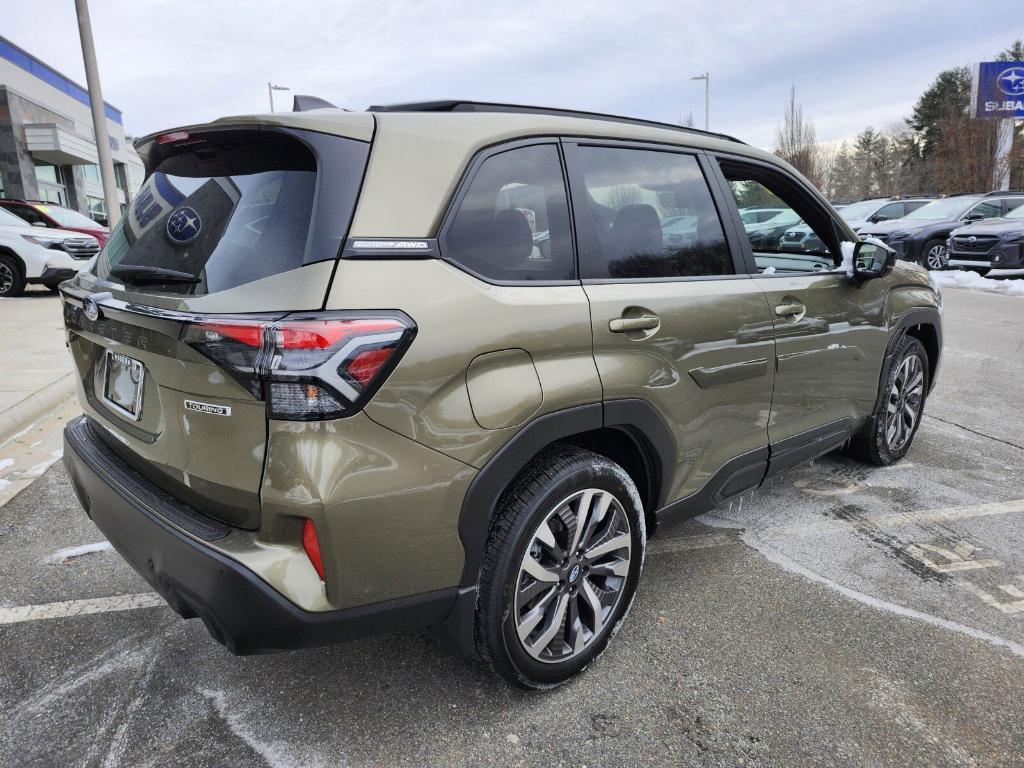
140,275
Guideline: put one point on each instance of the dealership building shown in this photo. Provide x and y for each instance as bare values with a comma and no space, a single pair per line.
47,144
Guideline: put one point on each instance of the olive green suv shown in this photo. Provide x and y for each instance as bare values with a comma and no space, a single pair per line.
451,364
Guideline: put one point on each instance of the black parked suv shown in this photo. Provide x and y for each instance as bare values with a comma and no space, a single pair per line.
921,235
988,245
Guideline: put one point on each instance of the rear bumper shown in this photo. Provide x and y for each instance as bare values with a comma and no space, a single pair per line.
239,609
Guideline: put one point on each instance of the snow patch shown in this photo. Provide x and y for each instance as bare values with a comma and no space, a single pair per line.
768,271
5,463
63,555
276,754
974,281
752,540
846,248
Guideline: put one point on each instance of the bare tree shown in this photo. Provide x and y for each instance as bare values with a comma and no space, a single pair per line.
794,139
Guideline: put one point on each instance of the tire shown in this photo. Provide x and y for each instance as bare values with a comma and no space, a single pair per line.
548,601
12,283
883,442
933,254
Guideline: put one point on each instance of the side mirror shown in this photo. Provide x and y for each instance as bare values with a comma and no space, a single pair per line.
879,217
974,217
872,259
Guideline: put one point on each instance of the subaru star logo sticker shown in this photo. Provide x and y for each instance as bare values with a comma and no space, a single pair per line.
1011,81
184,225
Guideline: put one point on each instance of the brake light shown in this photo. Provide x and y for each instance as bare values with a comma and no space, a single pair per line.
172,137
308,366
311,544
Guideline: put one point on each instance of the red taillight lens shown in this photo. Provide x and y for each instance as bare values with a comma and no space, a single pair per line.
172,137
365,365
308,366
311,544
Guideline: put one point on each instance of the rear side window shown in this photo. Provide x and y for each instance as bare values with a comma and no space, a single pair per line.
651,215
237,208
512,225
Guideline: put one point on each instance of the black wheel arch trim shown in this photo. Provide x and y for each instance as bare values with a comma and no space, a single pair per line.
638,419
917,316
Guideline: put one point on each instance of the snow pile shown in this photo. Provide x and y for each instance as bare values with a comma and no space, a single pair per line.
847,265
63,555
974,281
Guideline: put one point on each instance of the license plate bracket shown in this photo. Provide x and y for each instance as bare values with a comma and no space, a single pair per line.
123,380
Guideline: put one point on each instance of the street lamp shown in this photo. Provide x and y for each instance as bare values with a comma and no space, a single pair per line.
270,93
706,77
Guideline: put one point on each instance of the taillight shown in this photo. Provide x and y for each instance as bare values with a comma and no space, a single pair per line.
306,366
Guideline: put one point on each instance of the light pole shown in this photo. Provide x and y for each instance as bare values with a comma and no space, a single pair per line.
99,116
706,77
270,92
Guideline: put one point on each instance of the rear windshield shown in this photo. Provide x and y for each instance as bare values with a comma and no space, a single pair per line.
237,208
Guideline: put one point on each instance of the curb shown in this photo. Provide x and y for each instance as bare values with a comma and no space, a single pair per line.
31,408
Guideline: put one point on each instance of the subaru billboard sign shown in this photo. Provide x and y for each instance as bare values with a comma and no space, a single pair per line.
997,89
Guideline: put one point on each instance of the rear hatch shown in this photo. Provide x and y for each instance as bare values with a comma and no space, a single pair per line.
234,233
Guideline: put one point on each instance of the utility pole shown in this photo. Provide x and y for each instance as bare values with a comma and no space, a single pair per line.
99,116
706,77
270,92
1004,145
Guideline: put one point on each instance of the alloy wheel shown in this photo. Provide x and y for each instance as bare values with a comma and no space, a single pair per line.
906,397
936,258
6,278
572,576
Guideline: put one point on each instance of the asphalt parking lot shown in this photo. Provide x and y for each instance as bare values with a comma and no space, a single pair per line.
842,615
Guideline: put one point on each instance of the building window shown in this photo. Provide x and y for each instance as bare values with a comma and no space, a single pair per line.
92,173
50,181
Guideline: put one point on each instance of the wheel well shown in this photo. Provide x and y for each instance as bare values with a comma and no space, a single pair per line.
628,451
17,259
926,334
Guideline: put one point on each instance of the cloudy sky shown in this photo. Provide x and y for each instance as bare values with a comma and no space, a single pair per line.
171,62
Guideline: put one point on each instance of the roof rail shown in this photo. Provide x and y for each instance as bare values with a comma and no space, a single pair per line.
1004,193
458,105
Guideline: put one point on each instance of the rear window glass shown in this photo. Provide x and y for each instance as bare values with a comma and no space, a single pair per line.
229,212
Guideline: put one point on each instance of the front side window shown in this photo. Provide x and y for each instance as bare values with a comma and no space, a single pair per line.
986,210
512,225
799,239
890,211
651,215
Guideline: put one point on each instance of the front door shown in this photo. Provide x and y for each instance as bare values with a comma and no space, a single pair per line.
830,333
676,319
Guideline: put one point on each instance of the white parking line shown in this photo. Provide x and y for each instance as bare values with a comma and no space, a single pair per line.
23,613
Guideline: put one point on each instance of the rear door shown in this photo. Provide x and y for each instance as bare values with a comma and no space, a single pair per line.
830,332
224,235
676,320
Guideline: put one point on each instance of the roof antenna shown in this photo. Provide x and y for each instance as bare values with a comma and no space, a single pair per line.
306,103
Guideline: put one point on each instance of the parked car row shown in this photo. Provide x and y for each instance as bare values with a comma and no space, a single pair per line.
922,235
979,231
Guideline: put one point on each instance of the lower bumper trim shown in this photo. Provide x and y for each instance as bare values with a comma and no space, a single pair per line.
239,609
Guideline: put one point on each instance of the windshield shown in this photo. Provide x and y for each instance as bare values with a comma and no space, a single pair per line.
860,210
786,217
950,208
66,217
8,219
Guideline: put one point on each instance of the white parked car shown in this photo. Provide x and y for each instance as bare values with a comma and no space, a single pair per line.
31,254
